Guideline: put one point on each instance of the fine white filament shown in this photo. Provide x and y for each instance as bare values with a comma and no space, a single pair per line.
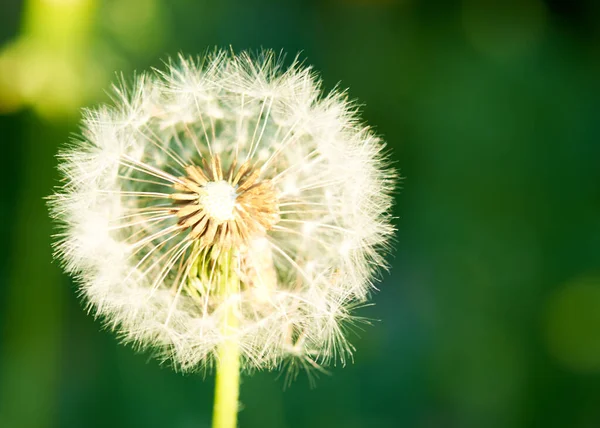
302,271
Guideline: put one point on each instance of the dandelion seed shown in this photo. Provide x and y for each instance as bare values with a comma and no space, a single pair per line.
230,170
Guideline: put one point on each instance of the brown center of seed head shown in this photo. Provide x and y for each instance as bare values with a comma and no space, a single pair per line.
225,209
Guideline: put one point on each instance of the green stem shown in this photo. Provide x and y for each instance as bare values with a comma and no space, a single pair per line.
227,383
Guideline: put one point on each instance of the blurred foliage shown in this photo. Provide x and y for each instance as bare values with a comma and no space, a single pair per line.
490,316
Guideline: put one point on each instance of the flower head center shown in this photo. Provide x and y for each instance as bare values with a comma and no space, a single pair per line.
218,200
225,208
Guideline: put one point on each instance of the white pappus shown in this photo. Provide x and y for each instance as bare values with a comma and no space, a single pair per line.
228,165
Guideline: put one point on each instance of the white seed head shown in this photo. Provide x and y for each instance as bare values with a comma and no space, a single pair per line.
231,165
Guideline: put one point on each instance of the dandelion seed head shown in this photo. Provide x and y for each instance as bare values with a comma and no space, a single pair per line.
226,165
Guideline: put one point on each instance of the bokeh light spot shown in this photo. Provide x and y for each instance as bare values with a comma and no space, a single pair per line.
504,30
573,325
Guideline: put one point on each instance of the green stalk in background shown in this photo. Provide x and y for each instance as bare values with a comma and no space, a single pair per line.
54,34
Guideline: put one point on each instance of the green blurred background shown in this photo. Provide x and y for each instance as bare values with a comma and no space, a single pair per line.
491,314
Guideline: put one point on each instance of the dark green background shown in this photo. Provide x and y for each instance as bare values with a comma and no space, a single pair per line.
490,316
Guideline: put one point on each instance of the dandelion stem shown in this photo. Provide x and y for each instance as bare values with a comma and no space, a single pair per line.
227,384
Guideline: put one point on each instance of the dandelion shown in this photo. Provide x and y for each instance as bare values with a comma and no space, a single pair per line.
225,213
